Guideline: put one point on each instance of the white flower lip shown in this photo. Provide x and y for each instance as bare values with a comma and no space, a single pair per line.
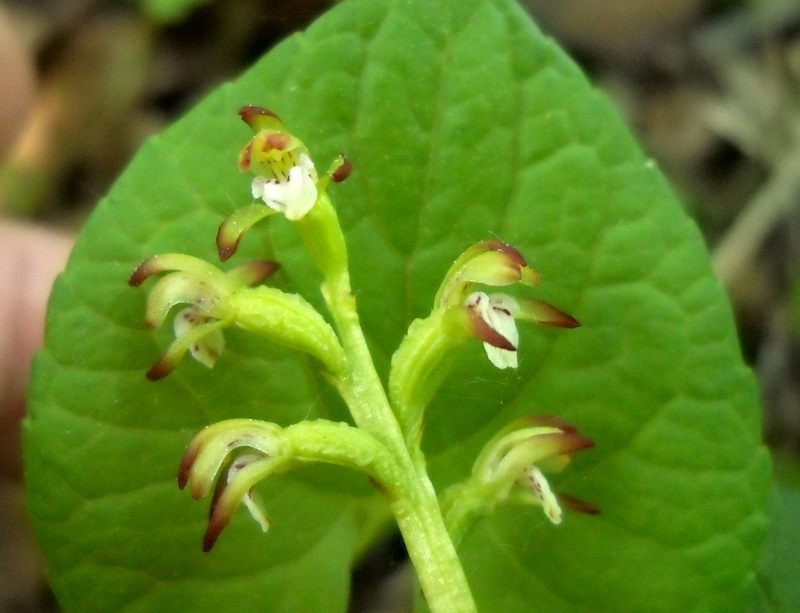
497,311
541,489
295,196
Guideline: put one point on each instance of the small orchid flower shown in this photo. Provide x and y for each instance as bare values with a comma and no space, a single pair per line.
491,317
499,313
517,456
285,181
511,469
239,453
207,290
242,452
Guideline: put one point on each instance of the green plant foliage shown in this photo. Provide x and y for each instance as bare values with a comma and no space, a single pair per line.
463,122
779,590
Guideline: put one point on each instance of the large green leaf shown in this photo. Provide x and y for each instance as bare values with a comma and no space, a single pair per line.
463,122
779,590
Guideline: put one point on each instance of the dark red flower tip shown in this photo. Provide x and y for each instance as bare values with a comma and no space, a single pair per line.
216,525
218,518
251,113
576,442
187,461
575,504
160,369
261,270
507,250
550,421
487,334
560,319
225,247
342,171
545,314
141,273
568,321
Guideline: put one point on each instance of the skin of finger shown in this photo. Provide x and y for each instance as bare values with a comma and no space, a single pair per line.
30,260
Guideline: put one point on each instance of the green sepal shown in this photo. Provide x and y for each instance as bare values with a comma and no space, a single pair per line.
232,230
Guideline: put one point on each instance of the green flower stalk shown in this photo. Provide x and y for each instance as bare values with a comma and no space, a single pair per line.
228,459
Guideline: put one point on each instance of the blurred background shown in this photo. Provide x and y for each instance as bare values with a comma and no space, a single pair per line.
710,87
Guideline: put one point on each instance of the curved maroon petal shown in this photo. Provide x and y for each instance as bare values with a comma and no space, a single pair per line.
575,504
487,334
185,469
255,116
544,314
162,368
144,271
550,421
343,170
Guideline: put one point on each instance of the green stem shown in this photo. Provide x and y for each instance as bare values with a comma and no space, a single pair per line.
419,367
415,505
462,504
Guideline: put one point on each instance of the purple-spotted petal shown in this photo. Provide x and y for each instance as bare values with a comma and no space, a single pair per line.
207,348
